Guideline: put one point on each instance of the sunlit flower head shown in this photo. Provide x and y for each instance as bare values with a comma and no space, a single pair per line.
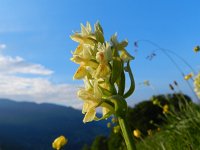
188,76
59,142
197,85
137,133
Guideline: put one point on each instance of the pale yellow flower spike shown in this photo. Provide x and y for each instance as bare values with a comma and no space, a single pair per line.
95,57
102,68
59,142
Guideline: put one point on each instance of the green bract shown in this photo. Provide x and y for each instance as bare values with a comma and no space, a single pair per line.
102,67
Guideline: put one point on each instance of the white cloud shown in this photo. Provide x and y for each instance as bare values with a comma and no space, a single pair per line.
2,46
38,88
12,65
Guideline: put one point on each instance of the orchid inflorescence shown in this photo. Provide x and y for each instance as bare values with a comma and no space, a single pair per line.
102,67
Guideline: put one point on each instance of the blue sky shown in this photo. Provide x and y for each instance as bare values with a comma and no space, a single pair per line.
35,35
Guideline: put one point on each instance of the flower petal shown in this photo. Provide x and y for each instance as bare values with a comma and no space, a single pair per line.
97,91
90,115
103,71
83,39
78,50
80,73
125,56
105,110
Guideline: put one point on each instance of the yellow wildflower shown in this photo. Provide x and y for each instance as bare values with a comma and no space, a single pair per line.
158,129
197,49
165,108
137,133
197,85
189,76
59,142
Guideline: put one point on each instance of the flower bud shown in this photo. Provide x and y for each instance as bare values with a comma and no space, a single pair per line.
59,142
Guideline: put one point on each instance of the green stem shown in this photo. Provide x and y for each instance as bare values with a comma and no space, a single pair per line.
127,134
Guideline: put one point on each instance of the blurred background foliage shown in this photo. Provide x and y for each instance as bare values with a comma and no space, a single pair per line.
148,117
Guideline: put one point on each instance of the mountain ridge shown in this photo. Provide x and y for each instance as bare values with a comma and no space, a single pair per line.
34,126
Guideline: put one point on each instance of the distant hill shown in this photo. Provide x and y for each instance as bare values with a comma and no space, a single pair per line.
31,126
